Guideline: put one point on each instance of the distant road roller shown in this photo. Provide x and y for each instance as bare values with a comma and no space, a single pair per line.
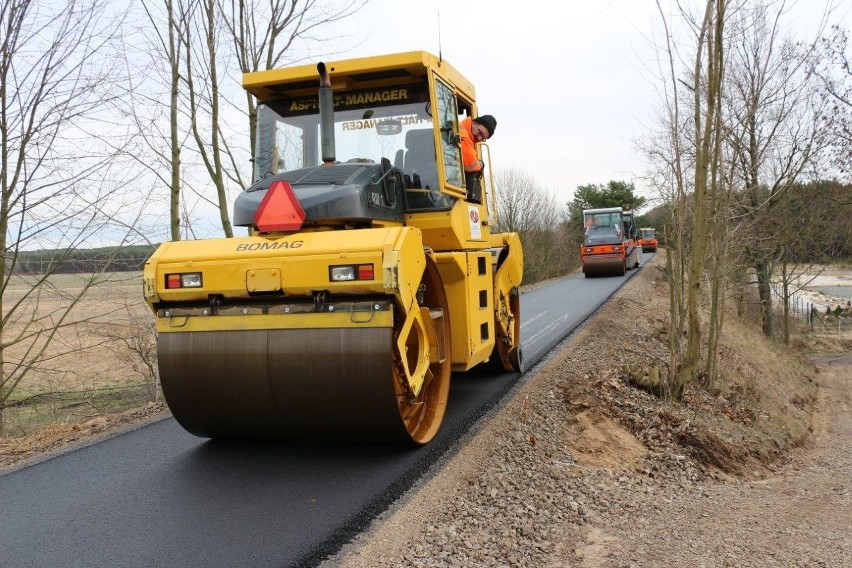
632,235
370,272
648,239
606,249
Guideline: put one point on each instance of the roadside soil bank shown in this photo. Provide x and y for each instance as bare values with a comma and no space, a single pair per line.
584,468
59,438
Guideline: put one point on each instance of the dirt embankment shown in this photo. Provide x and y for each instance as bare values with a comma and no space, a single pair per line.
584,468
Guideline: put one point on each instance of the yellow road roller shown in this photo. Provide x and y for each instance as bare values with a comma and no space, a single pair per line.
369,272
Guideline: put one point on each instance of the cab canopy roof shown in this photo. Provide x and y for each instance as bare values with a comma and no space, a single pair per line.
354,74
603,210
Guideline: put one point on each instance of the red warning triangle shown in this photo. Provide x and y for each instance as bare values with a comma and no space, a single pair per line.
279,210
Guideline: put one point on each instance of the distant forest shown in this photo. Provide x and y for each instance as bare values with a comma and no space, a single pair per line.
106,259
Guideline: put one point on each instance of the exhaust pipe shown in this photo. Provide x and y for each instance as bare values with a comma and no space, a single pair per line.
326,111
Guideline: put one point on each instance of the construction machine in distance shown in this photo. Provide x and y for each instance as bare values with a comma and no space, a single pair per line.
632,235
370,272
608,249
648,239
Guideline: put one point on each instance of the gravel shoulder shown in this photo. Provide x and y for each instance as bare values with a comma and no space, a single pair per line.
584,468
800,516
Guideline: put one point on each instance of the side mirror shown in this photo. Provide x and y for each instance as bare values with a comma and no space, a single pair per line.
391,183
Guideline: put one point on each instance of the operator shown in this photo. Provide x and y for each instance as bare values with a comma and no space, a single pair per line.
472,132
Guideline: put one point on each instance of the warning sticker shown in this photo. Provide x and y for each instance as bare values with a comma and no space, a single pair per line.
475,226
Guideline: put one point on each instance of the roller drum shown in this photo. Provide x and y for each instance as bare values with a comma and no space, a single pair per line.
293,384
613,267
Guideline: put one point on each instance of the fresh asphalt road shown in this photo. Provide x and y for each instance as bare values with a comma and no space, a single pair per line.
158,496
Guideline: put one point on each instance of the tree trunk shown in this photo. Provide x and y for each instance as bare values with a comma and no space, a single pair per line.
764,292
785,294
717,311
217,173
706,155
174,194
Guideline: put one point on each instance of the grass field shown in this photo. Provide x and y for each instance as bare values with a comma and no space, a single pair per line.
99,363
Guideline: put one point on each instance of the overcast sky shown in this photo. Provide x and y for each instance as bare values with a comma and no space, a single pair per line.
569,82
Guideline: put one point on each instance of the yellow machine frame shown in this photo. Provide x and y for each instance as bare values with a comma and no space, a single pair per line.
269,291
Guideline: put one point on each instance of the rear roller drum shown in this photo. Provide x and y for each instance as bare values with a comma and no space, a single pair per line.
422,415
507,354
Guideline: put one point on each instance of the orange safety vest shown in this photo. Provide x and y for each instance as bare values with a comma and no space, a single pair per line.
470,159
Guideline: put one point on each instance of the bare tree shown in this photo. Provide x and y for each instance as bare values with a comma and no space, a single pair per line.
154,75
756,127
690,142
722,235
54,168
524,207
204,99
265,34
834,70
707,101
777,124
670,161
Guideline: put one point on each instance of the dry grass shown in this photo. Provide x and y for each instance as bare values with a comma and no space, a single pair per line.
57,437
88,369
768,379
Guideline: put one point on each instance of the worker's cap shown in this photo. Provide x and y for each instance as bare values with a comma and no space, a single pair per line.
488,122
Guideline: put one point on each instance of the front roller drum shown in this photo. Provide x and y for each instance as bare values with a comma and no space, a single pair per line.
332,384
609,267
296,384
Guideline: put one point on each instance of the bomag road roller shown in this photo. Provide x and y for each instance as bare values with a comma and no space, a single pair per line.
604,251
370,271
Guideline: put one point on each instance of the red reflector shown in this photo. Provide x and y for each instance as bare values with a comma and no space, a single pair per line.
279,210
172,280
365,272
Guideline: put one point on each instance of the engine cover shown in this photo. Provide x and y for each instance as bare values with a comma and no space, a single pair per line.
340,193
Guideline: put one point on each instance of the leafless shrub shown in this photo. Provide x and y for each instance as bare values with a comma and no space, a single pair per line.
523,206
